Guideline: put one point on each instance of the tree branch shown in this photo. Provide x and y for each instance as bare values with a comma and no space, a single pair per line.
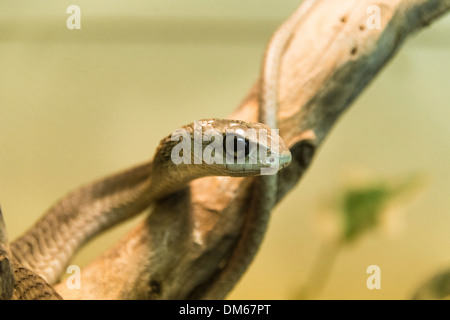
183,249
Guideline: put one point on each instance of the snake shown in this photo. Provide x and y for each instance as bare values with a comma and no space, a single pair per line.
209,147
42,253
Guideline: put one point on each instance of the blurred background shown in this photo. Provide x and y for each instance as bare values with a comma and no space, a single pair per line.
76,105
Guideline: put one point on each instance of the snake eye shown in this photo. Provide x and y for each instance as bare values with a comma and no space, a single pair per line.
236,146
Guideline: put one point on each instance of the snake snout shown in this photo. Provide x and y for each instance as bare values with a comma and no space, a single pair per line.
276,162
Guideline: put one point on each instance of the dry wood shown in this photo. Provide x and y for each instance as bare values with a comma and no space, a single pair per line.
191,244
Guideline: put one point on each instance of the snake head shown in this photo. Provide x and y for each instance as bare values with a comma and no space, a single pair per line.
226,147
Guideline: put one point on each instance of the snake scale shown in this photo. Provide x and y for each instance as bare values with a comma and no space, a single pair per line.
35,261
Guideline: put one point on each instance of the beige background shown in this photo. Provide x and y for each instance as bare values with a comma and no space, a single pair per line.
77,105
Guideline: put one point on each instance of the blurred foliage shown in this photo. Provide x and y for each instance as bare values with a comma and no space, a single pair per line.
438,287
360,207
363,205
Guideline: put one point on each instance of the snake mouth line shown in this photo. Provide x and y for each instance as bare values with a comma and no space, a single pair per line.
237,144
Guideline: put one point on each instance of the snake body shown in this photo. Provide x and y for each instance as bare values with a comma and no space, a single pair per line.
16,281
48,246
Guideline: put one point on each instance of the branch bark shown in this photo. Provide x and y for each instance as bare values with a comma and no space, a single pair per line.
187,245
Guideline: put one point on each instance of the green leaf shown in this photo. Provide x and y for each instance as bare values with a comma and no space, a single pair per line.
362,208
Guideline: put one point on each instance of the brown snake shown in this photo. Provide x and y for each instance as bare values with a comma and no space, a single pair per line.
45,250
49,245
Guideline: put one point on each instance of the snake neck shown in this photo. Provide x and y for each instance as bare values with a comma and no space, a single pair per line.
49,245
